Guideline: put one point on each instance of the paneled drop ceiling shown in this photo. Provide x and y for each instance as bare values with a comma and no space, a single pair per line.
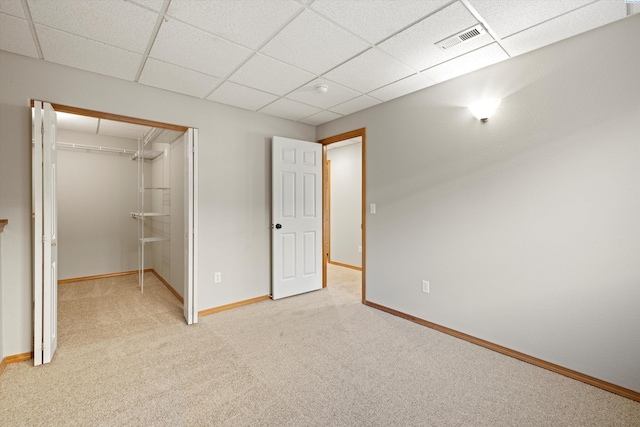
269,55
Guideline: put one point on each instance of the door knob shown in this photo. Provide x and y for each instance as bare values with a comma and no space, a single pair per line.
278,226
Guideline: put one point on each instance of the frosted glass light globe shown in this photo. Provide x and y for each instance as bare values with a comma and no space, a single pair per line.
484,108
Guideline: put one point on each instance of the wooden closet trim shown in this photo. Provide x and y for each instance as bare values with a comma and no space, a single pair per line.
115,117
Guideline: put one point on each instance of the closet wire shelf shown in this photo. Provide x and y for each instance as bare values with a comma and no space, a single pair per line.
140,156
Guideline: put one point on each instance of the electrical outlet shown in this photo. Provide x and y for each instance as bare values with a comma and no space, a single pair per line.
217,277
359,249
425,286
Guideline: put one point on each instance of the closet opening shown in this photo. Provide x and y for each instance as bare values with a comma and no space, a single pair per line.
124,206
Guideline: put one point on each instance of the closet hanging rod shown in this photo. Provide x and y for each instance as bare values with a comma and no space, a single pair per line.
95,148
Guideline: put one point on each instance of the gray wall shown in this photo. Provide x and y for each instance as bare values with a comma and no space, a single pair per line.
234,204
527,226
96,191
346,204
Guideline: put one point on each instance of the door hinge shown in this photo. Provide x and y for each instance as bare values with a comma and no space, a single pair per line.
42,128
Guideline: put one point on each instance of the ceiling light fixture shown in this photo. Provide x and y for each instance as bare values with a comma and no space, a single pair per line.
321,89
484,108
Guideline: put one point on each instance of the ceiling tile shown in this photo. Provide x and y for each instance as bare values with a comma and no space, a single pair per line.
355,104
562,27
241,96
369,71
375,20
335,95
122,130
12,7
269,75
155,5
416,45
288,109
76,123
79,52
15,36
177,79
313,44
188,47
117,23
508,17
402,87
248,22
467,63
320,118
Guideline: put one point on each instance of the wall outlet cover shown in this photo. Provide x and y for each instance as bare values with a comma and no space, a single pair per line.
425,286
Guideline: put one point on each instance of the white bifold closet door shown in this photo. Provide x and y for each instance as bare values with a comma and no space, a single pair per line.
190,225
45,271
296,217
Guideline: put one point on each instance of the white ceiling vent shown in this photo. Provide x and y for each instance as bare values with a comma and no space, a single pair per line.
461,37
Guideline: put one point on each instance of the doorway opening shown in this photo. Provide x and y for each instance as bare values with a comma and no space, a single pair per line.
100,187
344,190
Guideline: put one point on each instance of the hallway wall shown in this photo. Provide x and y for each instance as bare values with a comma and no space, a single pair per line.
346,204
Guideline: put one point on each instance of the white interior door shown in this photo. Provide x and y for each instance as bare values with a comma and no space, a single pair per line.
45,292
296,234
191,222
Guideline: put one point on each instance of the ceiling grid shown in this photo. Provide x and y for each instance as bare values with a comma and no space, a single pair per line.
269,55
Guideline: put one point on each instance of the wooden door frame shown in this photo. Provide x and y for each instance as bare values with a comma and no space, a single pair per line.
362,133
60,108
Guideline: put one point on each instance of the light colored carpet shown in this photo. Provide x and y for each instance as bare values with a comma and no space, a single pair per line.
319,359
